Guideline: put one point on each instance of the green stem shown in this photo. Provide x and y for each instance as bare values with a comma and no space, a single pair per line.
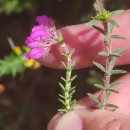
68,90
68,83
107,67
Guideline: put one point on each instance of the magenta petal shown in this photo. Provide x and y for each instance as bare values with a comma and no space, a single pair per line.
44,20
33,44
35,53
38,32
38,52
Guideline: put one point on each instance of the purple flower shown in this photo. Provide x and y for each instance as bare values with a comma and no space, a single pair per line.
42,37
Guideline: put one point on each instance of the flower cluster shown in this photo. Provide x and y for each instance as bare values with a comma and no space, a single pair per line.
43,36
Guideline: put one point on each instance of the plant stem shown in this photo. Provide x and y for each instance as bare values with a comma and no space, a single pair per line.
68,90
68,83
107,75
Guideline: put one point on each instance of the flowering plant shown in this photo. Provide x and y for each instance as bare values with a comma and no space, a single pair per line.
44,35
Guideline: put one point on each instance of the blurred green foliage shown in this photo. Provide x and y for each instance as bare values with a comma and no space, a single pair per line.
16,62
12,64
17,6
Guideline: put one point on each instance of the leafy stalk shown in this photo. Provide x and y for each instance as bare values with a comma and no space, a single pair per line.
104,17
67,90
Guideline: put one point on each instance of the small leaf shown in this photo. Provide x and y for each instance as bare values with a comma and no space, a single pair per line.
71,89
92,22
62,86
72,104
115,55
71,52
99,66
112,90
99,29
63,79
99,86
119,50
112,106
114,85
73,78
111,28
118,37
64,65
62,110
117,12
118,72
61,101
61,96
64,55
94,98
103,54
112,63
113,22
72,92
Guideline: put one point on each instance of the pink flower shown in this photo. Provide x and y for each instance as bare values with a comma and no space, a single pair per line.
43,36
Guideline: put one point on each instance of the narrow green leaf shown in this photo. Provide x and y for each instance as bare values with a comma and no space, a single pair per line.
71,89
72,104
71,52
112,63
111,28
99,66
112,106
99,29
62,86
61,96
64,65
118,37
93,22
73,78
103,54
112,90
99,86
115,54
63,79
62,110
114,85
113,22
119,50
94,98
117,12
72,92
64,55
61,101
118,72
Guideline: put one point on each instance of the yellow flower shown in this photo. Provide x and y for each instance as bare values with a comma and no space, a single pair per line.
29,63
104,17
17,50
27,49
32,64
36,65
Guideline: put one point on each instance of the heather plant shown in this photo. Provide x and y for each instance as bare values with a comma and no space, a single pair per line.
103,23
44,36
